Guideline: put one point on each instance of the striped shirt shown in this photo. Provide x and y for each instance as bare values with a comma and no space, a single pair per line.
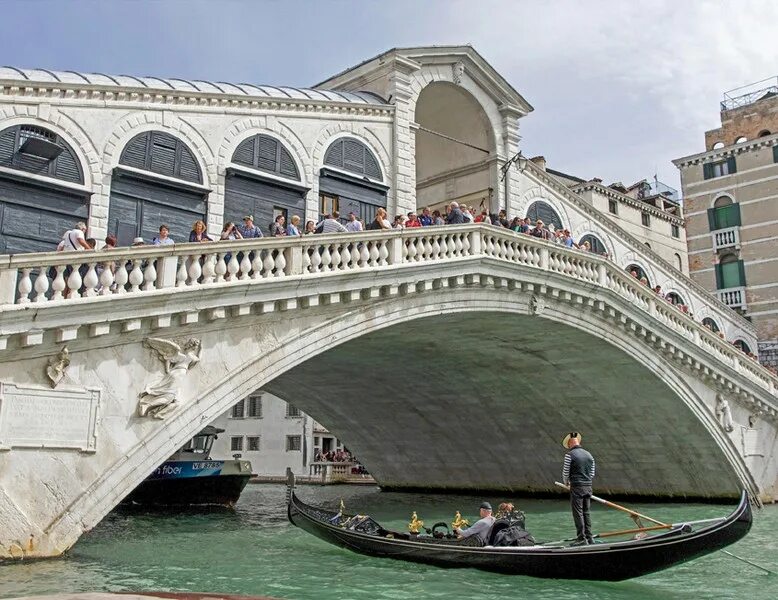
583,468
330,226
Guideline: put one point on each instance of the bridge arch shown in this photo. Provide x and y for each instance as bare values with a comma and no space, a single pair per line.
480,308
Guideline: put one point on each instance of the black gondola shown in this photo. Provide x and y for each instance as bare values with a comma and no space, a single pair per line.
610,561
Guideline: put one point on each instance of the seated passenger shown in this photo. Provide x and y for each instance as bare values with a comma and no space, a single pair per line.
480,528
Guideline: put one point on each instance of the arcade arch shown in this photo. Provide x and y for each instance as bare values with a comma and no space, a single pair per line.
455,149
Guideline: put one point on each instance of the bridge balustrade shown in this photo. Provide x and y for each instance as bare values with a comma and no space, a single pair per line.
69,277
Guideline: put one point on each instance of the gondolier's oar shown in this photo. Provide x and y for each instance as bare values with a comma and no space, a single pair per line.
748,562
617,507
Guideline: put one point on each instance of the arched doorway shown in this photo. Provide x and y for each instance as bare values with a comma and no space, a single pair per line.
545,212
674,298
351,180
595,244
742,345
163,184
455,150
35,212
711,324
638,273
263,182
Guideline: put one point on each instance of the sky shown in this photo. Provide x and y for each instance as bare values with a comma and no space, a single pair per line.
619,88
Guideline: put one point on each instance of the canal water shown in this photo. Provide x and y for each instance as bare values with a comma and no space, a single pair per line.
254,550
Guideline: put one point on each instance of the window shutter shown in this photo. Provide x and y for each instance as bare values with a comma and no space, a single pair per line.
741,272
67,168
707,171
334,155
734,215
268,149
712,219
134,153
731,165
287,166
8,146
245,153
775,153
719,278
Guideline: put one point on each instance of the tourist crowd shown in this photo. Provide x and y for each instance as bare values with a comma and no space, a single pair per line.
453,214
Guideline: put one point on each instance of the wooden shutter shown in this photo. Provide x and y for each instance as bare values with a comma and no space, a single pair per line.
334,155
244,154
707,171
731,165
741,272
134,153
712,219
719,277
734,215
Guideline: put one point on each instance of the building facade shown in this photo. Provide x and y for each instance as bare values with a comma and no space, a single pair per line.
730,195
273,435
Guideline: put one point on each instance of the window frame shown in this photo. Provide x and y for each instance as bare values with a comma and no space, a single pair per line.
292,412
235,409
292,441
254,401
613,206
236,438
675,230
250,439
645,219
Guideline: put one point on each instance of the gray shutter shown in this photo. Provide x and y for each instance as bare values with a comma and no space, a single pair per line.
67,167
775,153
268,150
188,168
287,166
372,169
163,154
334,155
244,154
134,153
353,156
707,171
8,146
731,165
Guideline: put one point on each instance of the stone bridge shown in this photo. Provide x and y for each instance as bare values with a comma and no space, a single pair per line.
449,357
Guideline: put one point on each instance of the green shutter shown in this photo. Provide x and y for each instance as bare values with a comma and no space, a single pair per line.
719,278
741,272
734,216
775,153
731,165
707,171
712,219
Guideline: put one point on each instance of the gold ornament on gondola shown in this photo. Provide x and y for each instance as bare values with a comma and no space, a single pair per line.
459,522
415,523
342,506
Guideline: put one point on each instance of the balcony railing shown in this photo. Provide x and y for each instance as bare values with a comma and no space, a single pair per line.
726,238
733,297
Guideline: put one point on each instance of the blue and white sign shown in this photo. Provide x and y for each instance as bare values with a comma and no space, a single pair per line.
186,469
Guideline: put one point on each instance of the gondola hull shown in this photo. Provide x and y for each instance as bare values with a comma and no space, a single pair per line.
603,562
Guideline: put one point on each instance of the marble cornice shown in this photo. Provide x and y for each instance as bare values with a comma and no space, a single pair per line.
106,95
726,151
611,193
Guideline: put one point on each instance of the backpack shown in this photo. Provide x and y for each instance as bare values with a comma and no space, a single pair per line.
514,535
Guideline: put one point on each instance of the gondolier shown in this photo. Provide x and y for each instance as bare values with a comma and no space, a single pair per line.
578,473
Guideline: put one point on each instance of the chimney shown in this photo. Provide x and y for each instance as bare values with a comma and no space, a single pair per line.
540,161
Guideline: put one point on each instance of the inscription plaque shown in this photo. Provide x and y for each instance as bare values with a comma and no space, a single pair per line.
35,417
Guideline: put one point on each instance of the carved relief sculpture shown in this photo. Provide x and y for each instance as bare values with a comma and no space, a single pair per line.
159,399
57,366
458,70
724,414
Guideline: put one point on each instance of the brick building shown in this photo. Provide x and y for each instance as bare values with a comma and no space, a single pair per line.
731,208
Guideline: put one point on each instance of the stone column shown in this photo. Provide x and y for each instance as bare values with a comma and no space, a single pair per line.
508,194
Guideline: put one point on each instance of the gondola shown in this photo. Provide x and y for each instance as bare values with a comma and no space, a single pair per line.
608,561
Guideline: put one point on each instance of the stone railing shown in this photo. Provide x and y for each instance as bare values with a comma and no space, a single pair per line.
733,297
72,277
330,472
726,238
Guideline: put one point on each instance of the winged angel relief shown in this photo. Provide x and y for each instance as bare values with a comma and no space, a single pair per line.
159,400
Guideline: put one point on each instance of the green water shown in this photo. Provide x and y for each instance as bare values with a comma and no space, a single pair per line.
254,550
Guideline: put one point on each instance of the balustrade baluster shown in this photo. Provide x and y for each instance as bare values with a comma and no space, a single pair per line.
41,285
91,281
356,255
457,244
410,251
136,276
465,244
436,248
25,286
383,253
195,270
209,268
183,273
149,275
267,263
315,260
121,277
220,268
335,257
245,266
106,279
74,282
58,283
233,266
427,249
280,268
326,259
306,260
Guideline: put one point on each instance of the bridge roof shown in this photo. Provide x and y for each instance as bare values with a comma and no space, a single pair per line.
186,85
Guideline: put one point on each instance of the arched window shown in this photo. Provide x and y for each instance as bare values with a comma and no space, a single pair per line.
741,139
711,324
37,150
724,214
265,153
764,133
678,262
595,243
742,345
353,156
161,153
718,145
544,212
638,273
35,212
674,298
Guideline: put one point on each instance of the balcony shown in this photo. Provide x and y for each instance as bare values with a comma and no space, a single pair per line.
733,297
726,238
